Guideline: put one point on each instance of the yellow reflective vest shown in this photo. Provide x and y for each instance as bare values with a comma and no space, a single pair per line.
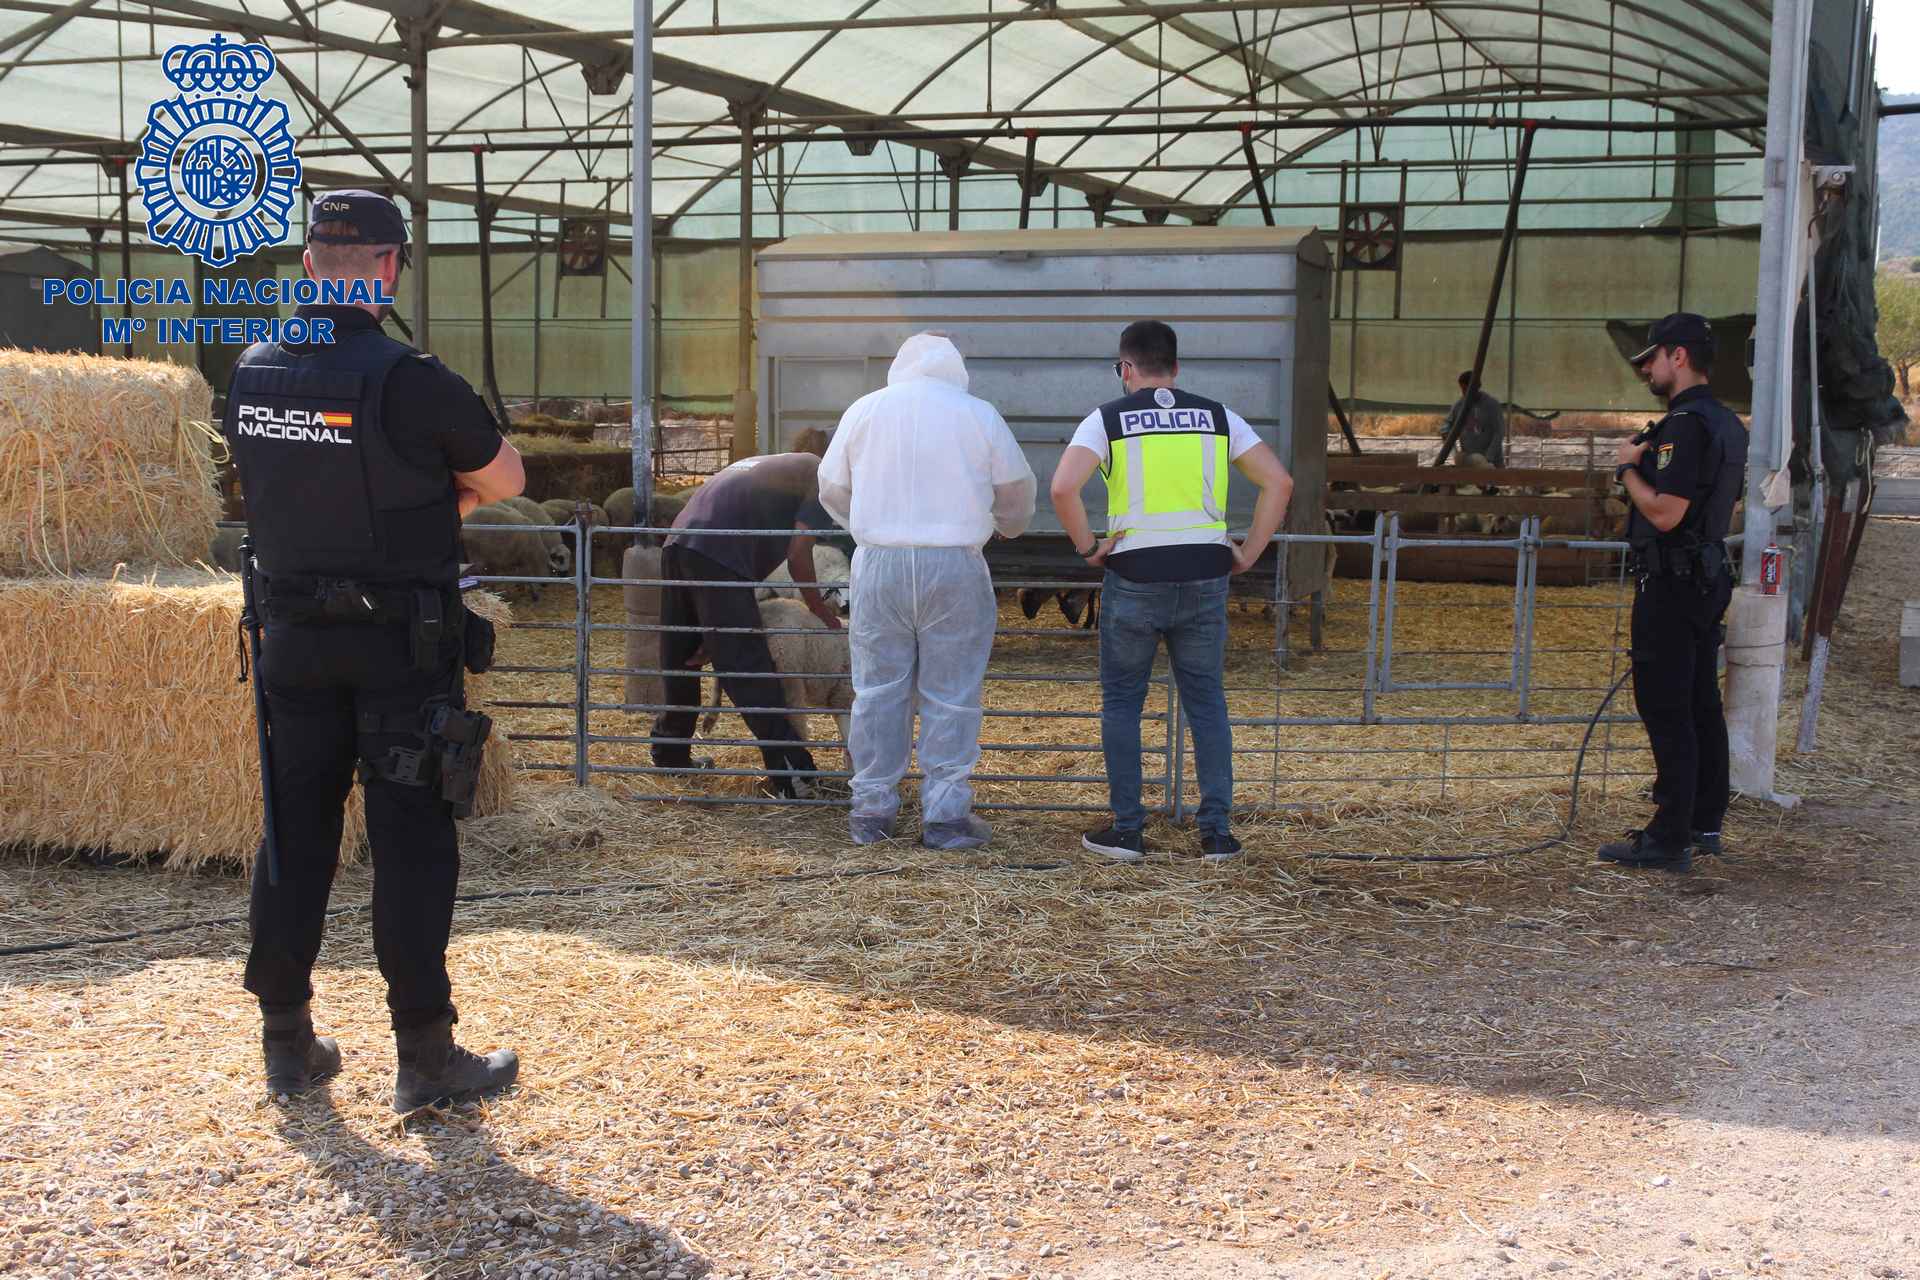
1166,469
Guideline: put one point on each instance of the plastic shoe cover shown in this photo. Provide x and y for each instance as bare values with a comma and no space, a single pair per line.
969,833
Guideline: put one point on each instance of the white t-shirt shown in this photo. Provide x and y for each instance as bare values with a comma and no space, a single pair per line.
1092,434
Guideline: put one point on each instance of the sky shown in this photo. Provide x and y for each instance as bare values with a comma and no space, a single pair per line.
1897,24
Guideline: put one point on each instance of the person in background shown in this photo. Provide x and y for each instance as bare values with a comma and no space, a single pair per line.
1164,453
1485,432
923,474
710,597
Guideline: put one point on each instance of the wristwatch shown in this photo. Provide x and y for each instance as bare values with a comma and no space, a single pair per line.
1089,551
1620,472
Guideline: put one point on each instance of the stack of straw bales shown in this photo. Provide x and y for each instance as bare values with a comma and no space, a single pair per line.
103,462
122,724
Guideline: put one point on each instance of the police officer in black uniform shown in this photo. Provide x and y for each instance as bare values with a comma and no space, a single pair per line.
1683,476
358,459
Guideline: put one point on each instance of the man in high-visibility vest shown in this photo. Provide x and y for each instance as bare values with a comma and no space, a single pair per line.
1164,453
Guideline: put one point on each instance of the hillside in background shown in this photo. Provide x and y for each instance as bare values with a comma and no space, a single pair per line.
1900,184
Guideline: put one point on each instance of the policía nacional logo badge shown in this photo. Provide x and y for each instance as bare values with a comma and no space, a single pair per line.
217,170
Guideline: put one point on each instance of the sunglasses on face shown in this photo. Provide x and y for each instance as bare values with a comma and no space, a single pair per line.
1118,365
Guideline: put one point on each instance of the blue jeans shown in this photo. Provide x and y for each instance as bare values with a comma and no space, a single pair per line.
1192,618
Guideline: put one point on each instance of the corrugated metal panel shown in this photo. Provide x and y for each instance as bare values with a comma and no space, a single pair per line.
1038,315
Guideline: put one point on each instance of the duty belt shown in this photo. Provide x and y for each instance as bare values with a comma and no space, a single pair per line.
1702,560
325,601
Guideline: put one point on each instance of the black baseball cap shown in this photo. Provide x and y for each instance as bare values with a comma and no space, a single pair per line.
1681,329
375,219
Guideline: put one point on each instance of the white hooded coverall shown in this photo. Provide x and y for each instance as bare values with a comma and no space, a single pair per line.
922,474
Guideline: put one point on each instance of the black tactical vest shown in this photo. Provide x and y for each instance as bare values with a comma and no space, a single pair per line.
1723,478
326,493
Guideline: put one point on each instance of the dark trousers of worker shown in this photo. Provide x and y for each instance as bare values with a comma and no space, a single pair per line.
320,680
740,658
1677,632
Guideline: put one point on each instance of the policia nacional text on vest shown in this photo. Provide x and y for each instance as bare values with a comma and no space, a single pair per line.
1167,469
345,530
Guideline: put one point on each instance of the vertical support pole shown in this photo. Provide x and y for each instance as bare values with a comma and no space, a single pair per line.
417,95
539,258
582,635
659,316
126,245
640,199
483,210
745,414
954,166
1373,622
1393,600
1527,131
94,234
1756,624
1026,180
1400,246
1782,246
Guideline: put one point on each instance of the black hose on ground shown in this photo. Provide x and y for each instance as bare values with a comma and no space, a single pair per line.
851,873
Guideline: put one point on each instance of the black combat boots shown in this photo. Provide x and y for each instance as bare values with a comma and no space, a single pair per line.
435,1069
296,1058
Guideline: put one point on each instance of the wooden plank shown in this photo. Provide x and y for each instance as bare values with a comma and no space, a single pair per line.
1503,504
1558,566
1379,458
1343,470
1892,496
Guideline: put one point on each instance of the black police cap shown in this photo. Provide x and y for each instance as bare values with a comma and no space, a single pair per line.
374,218
1681,329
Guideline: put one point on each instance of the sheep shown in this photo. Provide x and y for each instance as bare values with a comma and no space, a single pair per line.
830,564
607,548
224,551
1075,604
826,652
664,510
559,548
558,510
509,555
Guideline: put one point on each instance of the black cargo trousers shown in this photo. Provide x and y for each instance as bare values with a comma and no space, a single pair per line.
321,679
726,617
1678,627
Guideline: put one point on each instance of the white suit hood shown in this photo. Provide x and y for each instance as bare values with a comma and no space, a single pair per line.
926,356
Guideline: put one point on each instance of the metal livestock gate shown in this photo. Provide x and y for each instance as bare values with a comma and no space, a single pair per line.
1378,708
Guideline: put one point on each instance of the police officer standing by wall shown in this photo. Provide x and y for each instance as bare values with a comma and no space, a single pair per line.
1683,476
357,459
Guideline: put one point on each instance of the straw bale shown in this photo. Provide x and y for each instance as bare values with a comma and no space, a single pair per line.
123,726
103,461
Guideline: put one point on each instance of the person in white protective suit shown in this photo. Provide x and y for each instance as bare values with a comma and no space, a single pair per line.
922,474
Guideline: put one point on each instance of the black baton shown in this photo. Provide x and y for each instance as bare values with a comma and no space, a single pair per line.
250,623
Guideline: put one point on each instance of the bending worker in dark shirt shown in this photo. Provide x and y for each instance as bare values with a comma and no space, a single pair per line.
711,603
1683,477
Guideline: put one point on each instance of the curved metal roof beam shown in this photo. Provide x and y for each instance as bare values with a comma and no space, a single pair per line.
1472,6
1651,86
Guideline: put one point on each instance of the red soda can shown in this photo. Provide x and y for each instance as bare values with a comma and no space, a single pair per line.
1770,570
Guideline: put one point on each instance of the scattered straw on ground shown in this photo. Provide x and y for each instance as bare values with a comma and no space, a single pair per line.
755,1050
